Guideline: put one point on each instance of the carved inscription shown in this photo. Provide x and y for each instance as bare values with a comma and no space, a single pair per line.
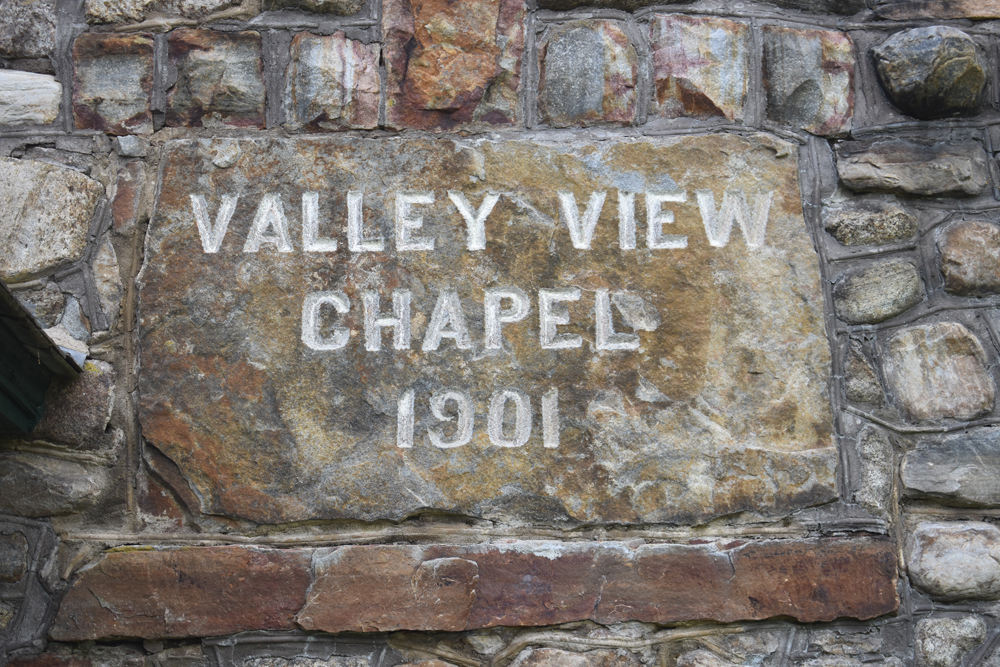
629,331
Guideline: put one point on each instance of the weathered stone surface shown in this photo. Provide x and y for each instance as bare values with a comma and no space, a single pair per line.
131,146
127,196
554,657
960,469
861,384
957,560
822,6
49,660
45,303
37,486
877,465
702,658
448,69
937,371
107,280
587,74
932,72
220,79
112,82
183,593
877,292
940,9
943,642
339,7
122,11
13,557
332,83
77,411
700,66
45,213
845,642
27,98
970,258
809,79
27,28
906,167
870,222
222,590
727,407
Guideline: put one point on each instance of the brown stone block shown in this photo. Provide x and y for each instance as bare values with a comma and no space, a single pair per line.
220,80
184,593
127,196
450,69
112,82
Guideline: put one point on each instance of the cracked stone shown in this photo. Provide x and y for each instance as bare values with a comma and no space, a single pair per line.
107,279
958,168
877,292
861,384
112,82
587,74
932,72
700,66
937,371
955,561
970,258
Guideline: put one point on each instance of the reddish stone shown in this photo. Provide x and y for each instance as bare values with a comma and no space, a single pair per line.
184,593
128,194
450,69
220,79
112,83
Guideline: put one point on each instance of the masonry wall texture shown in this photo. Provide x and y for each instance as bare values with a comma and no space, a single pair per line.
802,471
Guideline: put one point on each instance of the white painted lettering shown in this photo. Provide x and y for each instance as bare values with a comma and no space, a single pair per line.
405,224
656,218
212,235
475,222
550,419
607,339
448,321
404,419
463,433
356,241
550,314
581,232
496,317
399,321
310,226
626,220
270,215
522,418
718,225
311,308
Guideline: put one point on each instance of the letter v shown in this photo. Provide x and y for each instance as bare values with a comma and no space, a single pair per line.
212,235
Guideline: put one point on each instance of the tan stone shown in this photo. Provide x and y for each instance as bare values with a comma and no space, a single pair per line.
723,407
27,98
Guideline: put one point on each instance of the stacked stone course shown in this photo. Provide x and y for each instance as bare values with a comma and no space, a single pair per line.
895,109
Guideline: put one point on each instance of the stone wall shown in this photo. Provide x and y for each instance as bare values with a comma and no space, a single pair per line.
111,555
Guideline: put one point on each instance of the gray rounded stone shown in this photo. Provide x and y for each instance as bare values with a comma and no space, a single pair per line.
932,72
955,560
878,292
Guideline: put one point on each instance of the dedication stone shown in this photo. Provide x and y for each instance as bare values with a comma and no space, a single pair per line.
620,331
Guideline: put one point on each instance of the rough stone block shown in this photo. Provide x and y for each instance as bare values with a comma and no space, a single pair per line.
27,98
124,11
127,196
960,469
870,222
970,258
332,83
809,79
224,590
13,557
905,167
51,660
27,28
220,79
821,6
939,9
554,657
943,642
877,464
878,292
131,146
107,280
38,486
45,213
45,303
184,593
112,82
937,371
957,560
587,74
448,69
77,411
932,72
861,384
700,66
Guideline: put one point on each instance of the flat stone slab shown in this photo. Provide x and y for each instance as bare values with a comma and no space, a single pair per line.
463,587
628,331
